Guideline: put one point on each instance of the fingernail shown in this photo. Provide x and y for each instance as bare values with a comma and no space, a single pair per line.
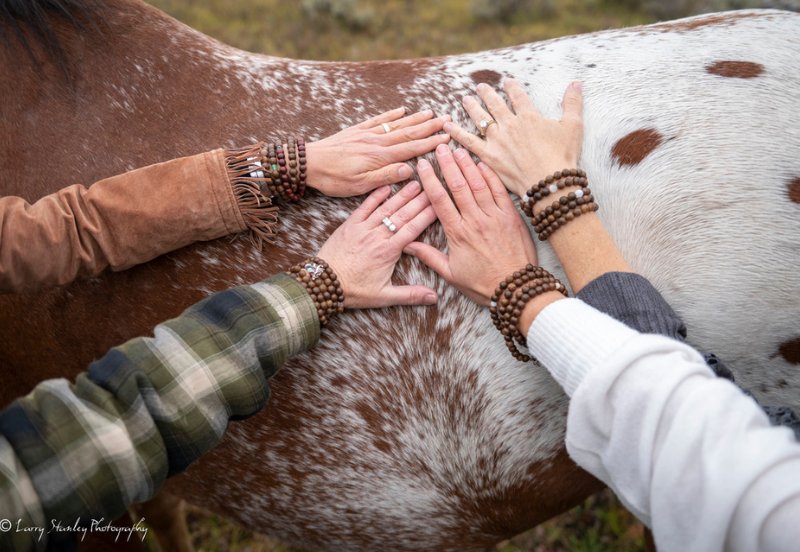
423,164
427,112
445,117
412,186
460,152
442,149
577,85
482,85
404,171
448,127
430,298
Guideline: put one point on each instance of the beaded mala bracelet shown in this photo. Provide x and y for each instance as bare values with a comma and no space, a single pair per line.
281,170
566,208
510,298
551,184
322,284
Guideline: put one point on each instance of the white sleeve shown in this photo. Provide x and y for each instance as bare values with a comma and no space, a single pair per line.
688,453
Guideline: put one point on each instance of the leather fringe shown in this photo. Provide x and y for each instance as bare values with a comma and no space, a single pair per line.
260,215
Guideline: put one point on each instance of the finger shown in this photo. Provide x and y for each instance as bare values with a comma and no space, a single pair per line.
573,103
477,113
499,192
496,105
407,121
390,174
411,209
385,117
407,295
394,203
409,150
480,189
370,204
441,202
430,257
470,141
456,182
416,132
416,226
520,100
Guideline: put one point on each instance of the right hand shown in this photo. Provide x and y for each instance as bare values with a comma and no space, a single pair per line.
486,238
523,147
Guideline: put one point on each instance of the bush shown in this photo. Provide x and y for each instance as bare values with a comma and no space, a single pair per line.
506,10
350,13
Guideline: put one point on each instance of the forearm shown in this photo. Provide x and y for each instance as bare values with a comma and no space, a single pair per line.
150,407
688,424
117,222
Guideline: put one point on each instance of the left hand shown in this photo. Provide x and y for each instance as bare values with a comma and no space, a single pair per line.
363,157
363,252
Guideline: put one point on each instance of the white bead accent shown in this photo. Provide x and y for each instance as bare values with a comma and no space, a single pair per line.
578,193
493,304
553,188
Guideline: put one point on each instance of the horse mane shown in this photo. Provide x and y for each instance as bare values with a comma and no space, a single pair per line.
32,20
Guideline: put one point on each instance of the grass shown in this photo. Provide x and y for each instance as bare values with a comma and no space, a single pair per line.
405,29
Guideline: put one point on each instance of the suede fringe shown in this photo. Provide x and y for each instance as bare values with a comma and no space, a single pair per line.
260,215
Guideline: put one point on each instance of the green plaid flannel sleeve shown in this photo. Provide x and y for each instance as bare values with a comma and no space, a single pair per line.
147,409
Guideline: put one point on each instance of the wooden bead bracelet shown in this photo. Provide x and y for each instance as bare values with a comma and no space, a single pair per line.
510,298
282,170
566,208
323,286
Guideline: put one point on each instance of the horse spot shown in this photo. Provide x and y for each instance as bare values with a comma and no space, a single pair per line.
634,147
486,75
790,350
735,69
794,190
591,65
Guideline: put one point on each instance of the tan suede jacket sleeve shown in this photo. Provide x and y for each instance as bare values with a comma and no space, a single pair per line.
117,222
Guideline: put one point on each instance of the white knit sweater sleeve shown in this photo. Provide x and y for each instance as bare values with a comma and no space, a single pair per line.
688,453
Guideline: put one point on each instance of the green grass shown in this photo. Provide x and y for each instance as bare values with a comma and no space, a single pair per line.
405,29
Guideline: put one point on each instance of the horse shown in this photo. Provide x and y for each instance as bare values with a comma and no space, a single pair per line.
413,428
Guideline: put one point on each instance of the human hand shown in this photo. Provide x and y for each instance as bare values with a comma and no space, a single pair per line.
363,252
363,157
523,147
486,238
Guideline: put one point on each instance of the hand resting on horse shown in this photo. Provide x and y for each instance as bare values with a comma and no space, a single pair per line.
647,416
150,407
132,218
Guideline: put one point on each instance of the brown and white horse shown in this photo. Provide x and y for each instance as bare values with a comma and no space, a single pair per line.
412,428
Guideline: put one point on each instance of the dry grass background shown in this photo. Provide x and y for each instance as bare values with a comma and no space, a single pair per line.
364,29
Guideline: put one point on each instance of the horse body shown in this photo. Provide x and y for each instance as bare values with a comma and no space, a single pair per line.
412,428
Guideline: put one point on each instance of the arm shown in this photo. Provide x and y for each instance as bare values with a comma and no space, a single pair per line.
132,218
688,453
148,408
117,222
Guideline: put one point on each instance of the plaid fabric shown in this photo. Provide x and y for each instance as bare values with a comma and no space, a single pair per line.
147,409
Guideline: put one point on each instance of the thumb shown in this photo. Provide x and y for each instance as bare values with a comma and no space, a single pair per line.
408,295
573,102
431,257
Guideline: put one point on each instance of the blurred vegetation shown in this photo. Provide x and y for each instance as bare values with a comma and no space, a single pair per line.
363,29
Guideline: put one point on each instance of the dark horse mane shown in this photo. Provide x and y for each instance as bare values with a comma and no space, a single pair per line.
31,22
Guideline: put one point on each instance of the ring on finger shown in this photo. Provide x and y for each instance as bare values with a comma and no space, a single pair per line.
483,125
386,127
387,222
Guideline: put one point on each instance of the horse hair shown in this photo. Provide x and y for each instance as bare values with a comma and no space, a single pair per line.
37,16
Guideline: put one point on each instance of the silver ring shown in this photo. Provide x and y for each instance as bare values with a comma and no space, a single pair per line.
387,222
483,125
386,128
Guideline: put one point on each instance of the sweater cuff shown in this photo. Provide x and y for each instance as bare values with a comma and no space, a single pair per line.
632,299
570,338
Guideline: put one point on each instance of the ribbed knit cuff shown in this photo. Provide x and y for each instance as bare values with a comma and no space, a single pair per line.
570,338
632,299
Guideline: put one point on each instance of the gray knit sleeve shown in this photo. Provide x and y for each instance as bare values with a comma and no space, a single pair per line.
633,300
